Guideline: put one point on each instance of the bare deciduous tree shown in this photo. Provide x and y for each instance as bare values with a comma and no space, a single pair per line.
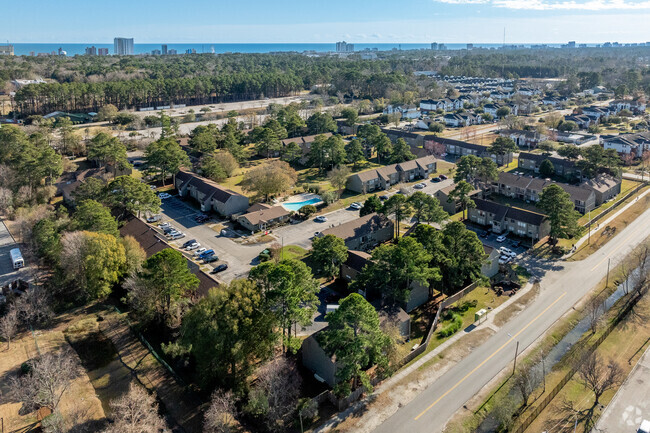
279,381
34,307
525,382
9,326
598,376
49,378
136,412
593,311
221,415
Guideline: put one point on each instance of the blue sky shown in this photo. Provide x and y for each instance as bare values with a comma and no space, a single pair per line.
361,21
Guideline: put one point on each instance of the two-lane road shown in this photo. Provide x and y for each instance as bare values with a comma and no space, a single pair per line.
563,284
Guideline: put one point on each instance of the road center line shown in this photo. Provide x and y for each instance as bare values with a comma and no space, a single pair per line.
488,358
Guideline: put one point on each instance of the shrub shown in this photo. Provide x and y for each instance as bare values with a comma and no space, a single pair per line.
452,328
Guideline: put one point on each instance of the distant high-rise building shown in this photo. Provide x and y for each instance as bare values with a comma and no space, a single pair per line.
164,50
123,46
155,52
102,51
571,44
6,50
91,51
470,46
344,47
442,47
190,51
172,52
434,46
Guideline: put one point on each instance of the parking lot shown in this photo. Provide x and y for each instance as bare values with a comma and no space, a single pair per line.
516,245
239,257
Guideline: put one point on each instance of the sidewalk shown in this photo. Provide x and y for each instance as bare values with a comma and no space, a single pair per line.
605,222
405,372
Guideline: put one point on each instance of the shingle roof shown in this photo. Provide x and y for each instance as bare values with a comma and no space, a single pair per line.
359,227
206,186
357,260
152,243
539,158
500,211
265,215
601,183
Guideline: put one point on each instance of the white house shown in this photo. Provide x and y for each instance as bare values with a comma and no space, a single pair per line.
407,111
625,144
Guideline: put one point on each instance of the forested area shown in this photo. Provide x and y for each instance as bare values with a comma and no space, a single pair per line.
86,83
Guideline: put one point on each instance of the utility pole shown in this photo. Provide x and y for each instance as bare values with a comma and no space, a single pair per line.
607,279
589,237
514,366
543,371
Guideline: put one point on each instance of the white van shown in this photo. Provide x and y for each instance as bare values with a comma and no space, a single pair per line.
17,258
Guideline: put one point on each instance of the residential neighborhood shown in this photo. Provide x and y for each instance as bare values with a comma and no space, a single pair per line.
368,235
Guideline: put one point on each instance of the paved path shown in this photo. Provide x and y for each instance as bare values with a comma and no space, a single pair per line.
631,404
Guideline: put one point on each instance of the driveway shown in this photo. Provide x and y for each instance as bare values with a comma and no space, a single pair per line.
302,234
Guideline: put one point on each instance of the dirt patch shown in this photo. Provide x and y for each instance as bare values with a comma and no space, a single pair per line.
384,404
516,307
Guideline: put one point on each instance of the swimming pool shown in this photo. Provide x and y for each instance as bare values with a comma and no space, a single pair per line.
296,205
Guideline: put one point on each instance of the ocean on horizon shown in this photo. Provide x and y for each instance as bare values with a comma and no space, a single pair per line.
24,49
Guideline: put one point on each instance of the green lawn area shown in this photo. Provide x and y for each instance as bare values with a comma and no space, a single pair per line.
291,252
481,297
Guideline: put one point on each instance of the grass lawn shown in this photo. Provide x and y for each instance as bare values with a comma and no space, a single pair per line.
481,297
291,252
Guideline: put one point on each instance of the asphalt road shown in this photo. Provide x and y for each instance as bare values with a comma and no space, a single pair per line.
563,284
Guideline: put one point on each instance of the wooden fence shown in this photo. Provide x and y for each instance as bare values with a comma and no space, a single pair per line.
520,428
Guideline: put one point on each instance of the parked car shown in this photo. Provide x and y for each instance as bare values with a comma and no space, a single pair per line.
193,246
443,177
219,268
502,238
356,206
484,234
164,195
320,219
201,218
419,185
168,229
188,243
504,259
207,253
318,234
210,259
177,235
154,218
165,224
200,251
153,187
435,179
383,197
516,244
507,252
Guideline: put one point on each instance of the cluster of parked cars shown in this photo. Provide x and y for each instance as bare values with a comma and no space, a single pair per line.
171,232
420,185
507,255
191,245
